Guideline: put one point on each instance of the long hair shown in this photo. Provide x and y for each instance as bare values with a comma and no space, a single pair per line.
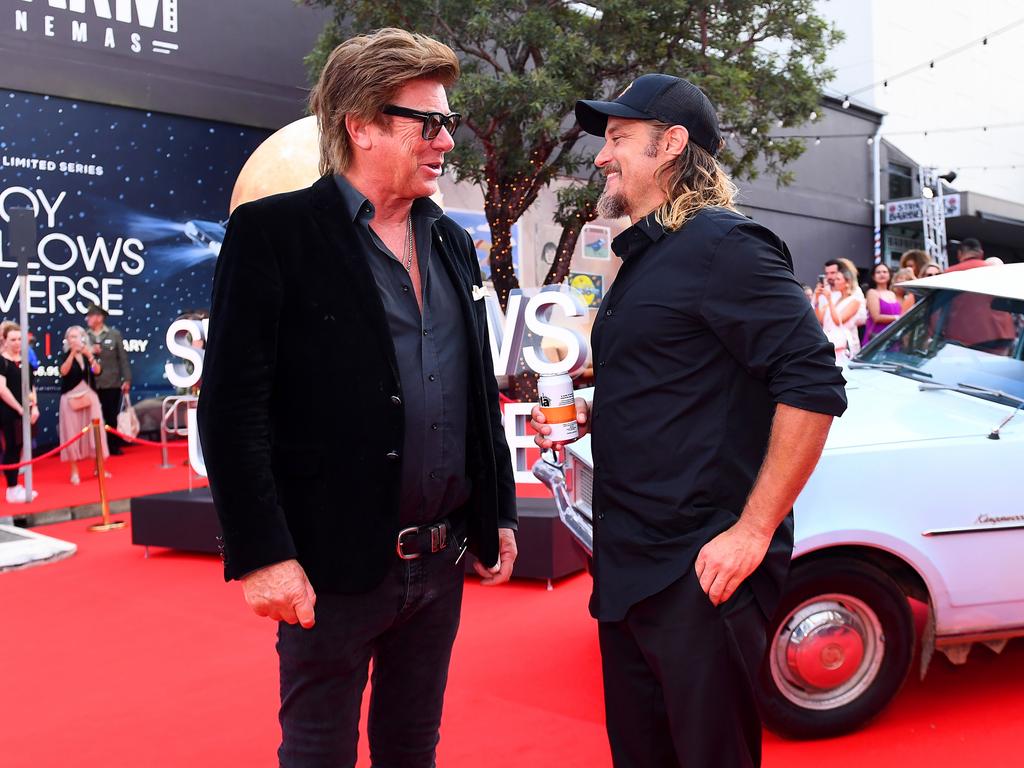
916,260
362,75
888,283
692,181
848,271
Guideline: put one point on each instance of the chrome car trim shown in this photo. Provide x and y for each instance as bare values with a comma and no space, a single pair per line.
971,529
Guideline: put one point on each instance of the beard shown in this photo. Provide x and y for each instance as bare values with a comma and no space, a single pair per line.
612,205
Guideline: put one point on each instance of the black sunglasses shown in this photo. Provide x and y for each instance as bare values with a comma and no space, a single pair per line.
433,122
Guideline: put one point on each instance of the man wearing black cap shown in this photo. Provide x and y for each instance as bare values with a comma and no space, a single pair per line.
116,377
715,392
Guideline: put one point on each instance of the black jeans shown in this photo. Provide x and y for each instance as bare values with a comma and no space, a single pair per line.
11,425
110,403
407,625
679,678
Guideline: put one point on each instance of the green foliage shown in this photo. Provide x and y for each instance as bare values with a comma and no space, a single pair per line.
526,62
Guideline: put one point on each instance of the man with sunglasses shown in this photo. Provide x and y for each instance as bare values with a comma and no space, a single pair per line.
347,497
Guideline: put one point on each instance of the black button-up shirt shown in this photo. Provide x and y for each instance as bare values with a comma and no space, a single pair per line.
704,330
431,350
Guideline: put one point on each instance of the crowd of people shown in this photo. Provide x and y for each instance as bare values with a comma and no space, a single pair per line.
94,375
852,315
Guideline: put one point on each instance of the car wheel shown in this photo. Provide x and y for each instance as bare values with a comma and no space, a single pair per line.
840,647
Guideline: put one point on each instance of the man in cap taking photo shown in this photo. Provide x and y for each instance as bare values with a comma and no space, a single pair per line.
715,391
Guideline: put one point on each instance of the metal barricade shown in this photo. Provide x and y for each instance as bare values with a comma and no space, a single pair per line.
174,421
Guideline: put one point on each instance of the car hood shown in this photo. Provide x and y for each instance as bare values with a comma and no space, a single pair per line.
886,408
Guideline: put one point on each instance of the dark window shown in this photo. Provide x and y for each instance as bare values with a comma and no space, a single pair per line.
901,183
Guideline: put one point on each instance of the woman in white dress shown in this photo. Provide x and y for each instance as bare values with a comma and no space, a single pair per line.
837,308
79,403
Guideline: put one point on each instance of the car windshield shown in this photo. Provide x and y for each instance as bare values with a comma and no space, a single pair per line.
953,338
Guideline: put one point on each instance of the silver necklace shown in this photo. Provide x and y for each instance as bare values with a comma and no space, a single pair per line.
408,244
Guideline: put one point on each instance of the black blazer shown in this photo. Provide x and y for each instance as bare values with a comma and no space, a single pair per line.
301,415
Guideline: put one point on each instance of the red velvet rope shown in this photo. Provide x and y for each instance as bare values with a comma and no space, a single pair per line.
140,441
59,448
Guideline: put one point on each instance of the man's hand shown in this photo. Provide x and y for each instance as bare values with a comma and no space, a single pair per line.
125,387
507,552
539,424
728,559
281,592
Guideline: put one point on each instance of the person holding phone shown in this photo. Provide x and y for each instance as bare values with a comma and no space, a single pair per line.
79,403
837,308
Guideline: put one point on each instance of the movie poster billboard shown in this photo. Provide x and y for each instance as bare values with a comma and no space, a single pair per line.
475,222
130,208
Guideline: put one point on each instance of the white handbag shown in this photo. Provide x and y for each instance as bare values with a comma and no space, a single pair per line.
127,421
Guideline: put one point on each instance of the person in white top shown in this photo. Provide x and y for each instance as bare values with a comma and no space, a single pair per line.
861,317
837,308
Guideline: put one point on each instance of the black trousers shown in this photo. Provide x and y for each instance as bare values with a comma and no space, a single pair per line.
11,426
110,403
407,626
679,679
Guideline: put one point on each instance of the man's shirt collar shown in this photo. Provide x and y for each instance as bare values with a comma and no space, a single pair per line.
637,238
359,208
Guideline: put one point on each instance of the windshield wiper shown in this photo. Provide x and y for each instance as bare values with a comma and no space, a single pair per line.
973,389
891,368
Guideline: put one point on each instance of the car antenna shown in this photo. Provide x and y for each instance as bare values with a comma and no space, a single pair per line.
994,434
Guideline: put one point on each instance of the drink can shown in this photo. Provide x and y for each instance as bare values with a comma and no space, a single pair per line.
558,404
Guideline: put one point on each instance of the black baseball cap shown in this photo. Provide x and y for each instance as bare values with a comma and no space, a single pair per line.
666,98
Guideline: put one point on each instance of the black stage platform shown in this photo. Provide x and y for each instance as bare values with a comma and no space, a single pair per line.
186,520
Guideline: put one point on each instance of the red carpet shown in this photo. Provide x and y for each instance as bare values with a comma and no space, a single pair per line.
108,659
136,473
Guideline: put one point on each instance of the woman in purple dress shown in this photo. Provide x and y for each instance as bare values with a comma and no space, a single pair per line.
883,305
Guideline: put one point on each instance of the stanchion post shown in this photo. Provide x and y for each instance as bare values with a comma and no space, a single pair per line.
101,475
164,415
23,245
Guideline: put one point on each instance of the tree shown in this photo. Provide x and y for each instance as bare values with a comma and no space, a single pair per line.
526,62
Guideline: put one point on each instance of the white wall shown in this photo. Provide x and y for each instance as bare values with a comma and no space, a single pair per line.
982,85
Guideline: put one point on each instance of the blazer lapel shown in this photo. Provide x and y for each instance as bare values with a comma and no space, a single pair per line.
345,264
463,286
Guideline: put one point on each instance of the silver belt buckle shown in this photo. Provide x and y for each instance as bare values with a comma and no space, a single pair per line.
398,544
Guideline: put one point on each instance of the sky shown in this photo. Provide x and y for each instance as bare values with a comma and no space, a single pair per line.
983,85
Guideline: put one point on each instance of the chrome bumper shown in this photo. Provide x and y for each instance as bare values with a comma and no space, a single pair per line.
553,476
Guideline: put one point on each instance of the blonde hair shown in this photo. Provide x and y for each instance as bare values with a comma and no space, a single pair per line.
903,275
71,328
850,267
692,181
849,272
6,327
362,75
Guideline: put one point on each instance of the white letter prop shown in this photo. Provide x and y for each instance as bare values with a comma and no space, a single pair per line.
538,315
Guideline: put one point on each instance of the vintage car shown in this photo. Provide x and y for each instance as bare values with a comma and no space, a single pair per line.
917,496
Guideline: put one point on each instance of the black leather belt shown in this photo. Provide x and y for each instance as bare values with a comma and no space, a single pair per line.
422,540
